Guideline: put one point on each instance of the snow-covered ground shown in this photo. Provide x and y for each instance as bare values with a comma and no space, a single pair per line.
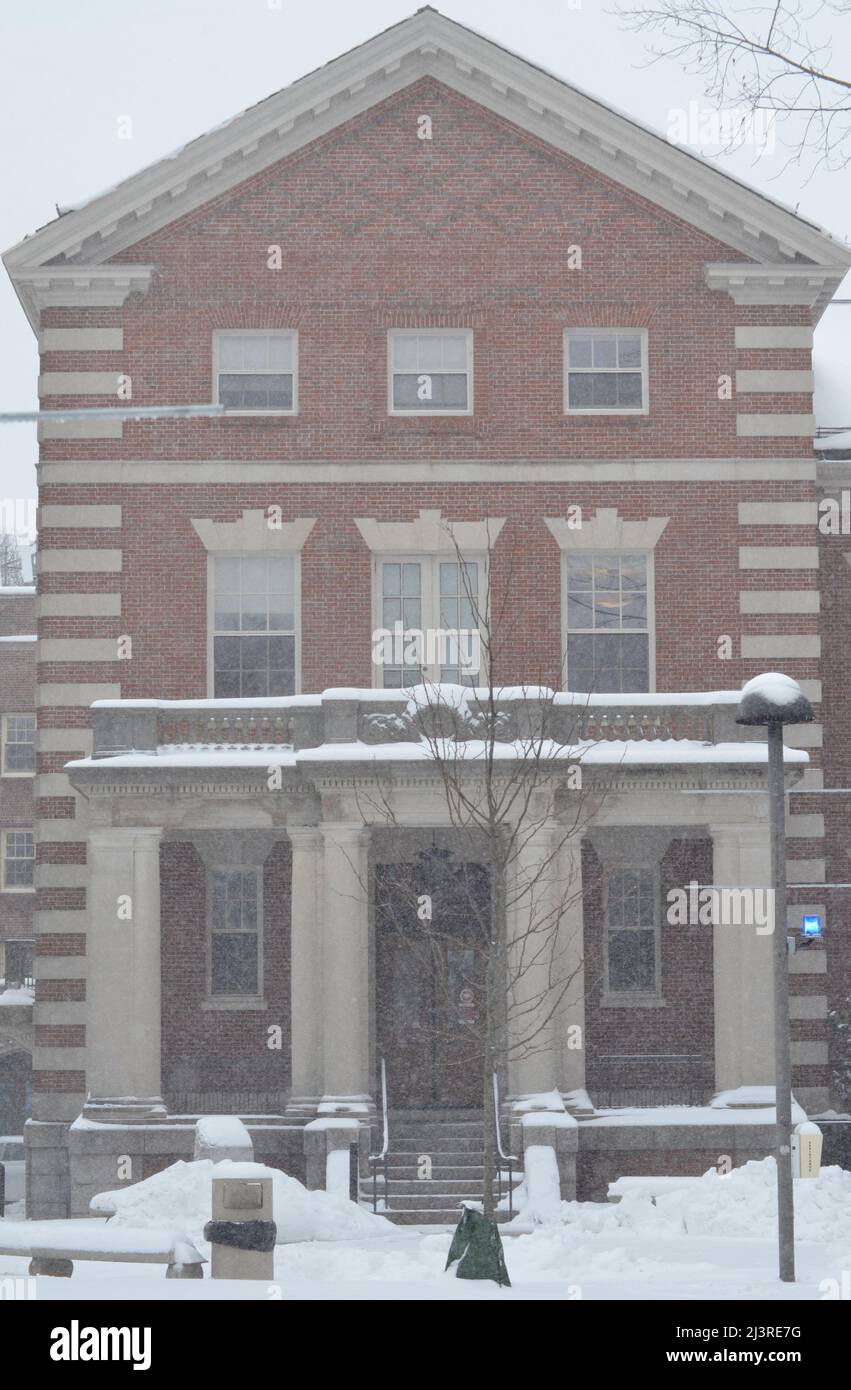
710,1239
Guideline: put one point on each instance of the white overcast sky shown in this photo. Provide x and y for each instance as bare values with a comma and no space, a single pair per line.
70,70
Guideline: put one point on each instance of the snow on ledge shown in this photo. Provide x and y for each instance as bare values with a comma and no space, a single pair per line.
447,694
602,753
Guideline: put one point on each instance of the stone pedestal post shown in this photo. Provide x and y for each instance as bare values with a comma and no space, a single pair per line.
742,954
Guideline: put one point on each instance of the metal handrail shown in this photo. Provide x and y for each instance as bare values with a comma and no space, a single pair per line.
380,1159
508,1159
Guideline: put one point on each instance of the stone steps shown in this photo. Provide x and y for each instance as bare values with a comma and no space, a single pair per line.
454,1142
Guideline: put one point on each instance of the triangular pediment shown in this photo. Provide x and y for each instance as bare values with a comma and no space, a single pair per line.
425,45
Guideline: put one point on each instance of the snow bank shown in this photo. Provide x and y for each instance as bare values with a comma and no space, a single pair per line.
25,995
740,1203
179,1199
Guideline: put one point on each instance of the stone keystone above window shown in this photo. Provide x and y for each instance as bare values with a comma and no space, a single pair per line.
606,530
429,534
256,530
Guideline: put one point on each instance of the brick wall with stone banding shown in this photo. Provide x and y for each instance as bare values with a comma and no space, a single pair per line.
366,252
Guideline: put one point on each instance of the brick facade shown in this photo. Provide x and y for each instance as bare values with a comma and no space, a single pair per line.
473,229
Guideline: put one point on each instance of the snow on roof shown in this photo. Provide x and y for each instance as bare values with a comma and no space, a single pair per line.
17,589
21,637
841,440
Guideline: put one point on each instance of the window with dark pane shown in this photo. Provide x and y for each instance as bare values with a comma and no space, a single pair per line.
458,618
605,370
235,932
430,372
401,611
254,626
631,917
256,371
608,635
18,859
18,744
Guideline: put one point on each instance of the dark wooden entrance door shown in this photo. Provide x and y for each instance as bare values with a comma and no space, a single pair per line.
430,979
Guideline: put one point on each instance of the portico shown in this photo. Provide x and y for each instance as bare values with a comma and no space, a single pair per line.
326,815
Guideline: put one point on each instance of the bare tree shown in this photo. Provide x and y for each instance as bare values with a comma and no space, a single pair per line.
509,768
11,564
775,58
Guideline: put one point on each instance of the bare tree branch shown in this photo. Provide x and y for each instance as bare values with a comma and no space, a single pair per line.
775,59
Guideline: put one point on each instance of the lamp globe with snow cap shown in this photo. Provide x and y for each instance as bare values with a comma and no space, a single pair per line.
773,698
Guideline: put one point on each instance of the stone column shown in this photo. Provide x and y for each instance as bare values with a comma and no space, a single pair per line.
345,963
570,1019
533,941
306,970
742,965
123,1035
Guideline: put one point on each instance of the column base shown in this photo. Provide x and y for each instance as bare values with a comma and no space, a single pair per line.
360,1107
125,1110
300,1108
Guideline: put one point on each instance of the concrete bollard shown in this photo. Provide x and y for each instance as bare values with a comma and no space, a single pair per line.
242,1231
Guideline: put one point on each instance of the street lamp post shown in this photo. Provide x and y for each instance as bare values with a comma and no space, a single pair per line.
773,700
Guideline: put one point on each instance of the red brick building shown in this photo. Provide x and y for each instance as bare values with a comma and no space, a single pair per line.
17,844
455,310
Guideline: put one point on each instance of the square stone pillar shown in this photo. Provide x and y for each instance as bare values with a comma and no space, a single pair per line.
345,965
742,965
123,1025
534,950
570,1015
306,1016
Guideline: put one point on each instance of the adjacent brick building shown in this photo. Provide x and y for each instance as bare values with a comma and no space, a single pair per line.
17,839
453,308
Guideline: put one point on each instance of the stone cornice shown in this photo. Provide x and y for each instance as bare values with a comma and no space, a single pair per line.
83,286
607,530
254,532
430,534
430,45
812,286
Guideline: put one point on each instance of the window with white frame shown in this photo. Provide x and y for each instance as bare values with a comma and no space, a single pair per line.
256,370
632,922
605,371
430,372
254,618
607,603
235,931
429,612
17,870
18,751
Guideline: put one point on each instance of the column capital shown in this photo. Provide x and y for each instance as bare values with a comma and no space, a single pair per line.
306,837
125,836
345,832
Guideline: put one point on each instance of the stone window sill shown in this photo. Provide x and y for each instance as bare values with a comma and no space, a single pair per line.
247,1004
633,1001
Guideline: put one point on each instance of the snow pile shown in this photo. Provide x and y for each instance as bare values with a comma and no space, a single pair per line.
179,1199
21,995
740,1203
